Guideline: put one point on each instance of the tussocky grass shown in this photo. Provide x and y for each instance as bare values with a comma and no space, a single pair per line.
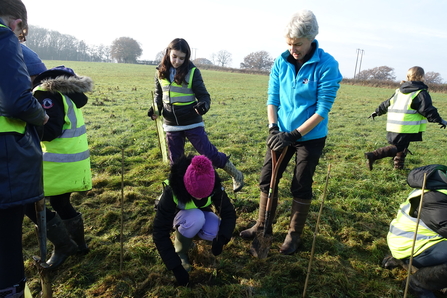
359,206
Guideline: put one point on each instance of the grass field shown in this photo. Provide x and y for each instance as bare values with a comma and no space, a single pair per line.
354,222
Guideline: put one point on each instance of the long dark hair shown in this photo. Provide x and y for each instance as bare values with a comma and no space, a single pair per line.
178,44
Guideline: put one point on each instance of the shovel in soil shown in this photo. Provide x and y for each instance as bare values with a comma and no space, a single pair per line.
261,243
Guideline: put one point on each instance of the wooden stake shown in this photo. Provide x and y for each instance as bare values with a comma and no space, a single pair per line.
415,236
316,231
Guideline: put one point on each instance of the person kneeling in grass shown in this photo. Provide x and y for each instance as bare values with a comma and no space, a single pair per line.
185,206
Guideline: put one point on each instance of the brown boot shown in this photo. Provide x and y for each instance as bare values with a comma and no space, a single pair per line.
300,210
388,151
259,225
399,159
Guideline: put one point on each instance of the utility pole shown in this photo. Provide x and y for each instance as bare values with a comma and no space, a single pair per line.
361,52
361,58
194,53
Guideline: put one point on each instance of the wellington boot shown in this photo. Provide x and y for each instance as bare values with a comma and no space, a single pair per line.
64,246
237,176
428,280
300,210
259,225
75,227
388,151
399,159
182,245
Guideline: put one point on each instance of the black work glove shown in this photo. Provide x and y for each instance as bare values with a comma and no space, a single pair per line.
283,139
373,115
181,275
200,108
150,113
218,244
443,124
272,131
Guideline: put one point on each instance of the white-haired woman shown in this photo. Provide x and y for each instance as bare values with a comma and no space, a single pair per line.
303,84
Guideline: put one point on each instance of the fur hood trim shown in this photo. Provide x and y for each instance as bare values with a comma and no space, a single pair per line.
64,84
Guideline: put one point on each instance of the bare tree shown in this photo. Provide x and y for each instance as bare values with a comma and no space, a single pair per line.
125,50
53,45
432,77
381,73
223,58
258,61
159,56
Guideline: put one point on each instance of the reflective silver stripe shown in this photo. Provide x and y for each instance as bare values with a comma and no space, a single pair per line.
181,205
74,132
70,113
423,121
410,235
175,99
183,90
402,111
55,157
407,234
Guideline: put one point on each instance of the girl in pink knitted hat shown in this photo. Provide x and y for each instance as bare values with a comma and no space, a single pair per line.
185,205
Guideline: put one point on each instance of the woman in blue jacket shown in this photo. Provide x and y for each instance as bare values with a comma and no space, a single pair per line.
20,153
303,85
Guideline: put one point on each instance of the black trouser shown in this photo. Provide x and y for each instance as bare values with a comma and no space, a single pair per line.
402,146
11,258
60,203
307,157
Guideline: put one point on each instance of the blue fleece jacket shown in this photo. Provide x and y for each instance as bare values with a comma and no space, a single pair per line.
312,90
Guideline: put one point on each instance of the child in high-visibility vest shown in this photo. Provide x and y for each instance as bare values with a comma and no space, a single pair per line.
408,111
192,189
66,156
182,98
429,247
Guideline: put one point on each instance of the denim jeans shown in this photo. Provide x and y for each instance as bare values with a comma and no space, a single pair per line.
434,255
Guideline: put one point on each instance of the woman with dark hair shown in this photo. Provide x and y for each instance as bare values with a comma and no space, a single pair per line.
182,98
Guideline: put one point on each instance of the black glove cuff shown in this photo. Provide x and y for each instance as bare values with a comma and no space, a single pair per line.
296,135
274,129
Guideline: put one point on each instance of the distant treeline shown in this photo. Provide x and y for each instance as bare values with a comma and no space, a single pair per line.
52,45
441,88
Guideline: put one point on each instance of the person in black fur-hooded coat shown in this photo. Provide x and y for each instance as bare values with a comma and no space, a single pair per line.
66,158
430,245
185,205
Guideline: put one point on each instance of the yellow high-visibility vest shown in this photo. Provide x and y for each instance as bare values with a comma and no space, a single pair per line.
401,234
401,117
176,94
66,159
8,124
189,205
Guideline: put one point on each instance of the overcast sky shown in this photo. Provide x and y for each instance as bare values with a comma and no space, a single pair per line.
395,33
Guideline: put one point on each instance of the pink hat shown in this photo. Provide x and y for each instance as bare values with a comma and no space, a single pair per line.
199,177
